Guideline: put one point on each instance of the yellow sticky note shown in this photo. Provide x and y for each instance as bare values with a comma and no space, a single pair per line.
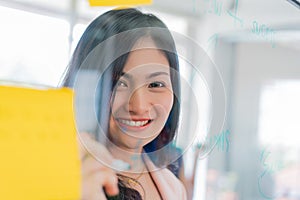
118,2
38,147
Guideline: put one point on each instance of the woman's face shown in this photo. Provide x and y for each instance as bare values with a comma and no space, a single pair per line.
143,98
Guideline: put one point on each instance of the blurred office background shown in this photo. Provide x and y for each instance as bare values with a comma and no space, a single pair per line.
255,46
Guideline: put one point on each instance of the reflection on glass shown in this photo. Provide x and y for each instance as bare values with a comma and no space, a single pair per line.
279,139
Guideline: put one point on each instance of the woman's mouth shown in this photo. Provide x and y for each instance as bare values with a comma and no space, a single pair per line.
134,123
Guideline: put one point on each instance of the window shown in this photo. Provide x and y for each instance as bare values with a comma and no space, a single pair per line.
34,48
279,139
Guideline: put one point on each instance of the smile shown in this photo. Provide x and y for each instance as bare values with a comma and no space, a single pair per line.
137,123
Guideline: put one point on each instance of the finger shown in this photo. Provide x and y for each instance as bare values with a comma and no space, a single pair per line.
100,175
93,183
110,185
100,195
92,191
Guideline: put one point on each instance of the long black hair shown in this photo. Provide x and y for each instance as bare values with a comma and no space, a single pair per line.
138,25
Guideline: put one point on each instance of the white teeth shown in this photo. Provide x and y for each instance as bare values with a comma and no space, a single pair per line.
133,123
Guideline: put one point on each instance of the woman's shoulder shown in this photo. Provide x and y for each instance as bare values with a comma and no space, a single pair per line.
172,180
168,184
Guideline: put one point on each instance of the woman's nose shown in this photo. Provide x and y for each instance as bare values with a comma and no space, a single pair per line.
138,102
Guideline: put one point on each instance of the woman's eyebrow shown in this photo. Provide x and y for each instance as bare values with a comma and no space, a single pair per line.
126,75
157,74
154,74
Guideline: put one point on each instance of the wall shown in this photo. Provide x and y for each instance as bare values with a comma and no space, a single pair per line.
254,64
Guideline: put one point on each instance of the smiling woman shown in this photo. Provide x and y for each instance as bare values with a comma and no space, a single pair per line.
143,98
137,100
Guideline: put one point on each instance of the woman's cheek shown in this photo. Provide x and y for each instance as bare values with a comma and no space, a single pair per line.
165,101
118,101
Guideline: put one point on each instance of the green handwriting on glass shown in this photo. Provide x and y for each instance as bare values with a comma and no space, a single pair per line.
263,31
220,141
269,169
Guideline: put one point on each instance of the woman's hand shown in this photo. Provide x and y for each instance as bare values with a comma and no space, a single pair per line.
96,177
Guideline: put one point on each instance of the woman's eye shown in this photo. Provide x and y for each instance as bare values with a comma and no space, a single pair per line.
122,84
156,85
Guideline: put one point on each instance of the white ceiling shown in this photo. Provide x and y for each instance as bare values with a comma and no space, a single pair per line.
274,12
279,14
